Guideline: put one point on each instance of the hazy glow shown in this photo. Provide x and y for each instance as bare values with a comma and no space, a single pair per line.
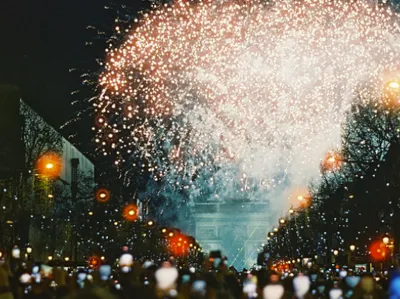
254,94
394,85
49,166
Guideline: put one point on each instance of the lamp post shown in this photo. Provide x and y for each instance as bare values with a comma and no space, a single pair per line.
283,236
74,194
386,240
292,235
335,256
28,249
352,248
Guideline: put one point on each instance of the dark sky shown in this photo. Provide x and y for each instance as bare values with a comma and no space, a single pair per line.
41,40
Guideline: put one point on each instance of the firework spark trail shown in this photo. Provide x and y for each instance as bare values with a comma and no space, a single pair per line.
256,91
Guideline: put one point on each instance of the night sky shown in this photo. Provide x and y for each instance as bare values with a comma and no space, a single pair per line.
41,40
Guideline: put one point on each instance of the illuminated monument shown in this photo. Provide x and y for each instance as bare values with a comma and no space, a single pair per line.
236,228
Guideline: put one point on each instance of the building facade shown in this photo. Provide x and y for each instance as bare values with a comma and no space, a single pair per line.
25,137
69,154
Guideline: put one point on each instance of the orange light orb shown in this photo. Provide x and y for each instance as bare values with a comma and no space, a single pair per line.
378,251
299,197
332,161
178,245
49,165
94,262
102,195
130,212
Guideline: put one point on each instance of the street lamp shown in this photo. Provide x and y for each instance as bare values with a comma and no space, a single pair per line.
332,161
131,212
28,249
352,247
49,165
50,258
102,195
275,229
385,240
335,252
281,221
291,211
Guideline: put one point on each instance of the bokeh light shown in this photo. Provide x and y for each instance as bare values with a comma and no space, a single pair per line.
332,161
102,195
49,165
130,212
378,251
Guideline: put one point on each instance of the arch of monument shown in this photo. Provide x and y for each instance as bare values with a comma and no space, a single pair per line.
236,228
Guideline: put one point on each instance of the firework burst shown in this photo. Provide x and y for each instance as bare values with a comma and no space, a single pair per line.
247,95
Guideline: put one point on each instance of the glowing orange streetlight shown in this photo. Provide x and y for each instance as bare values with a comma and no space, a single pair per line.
332,161
378,250
299,197
178,245
130,212
304,200
94,262
102,195
49,165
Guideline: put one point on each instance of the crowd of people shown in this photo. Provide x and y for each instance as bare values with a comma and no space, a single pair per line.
172,279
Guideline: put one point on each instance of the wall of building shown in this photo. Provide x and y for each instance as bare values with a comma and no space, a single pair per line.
67,150
71,152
